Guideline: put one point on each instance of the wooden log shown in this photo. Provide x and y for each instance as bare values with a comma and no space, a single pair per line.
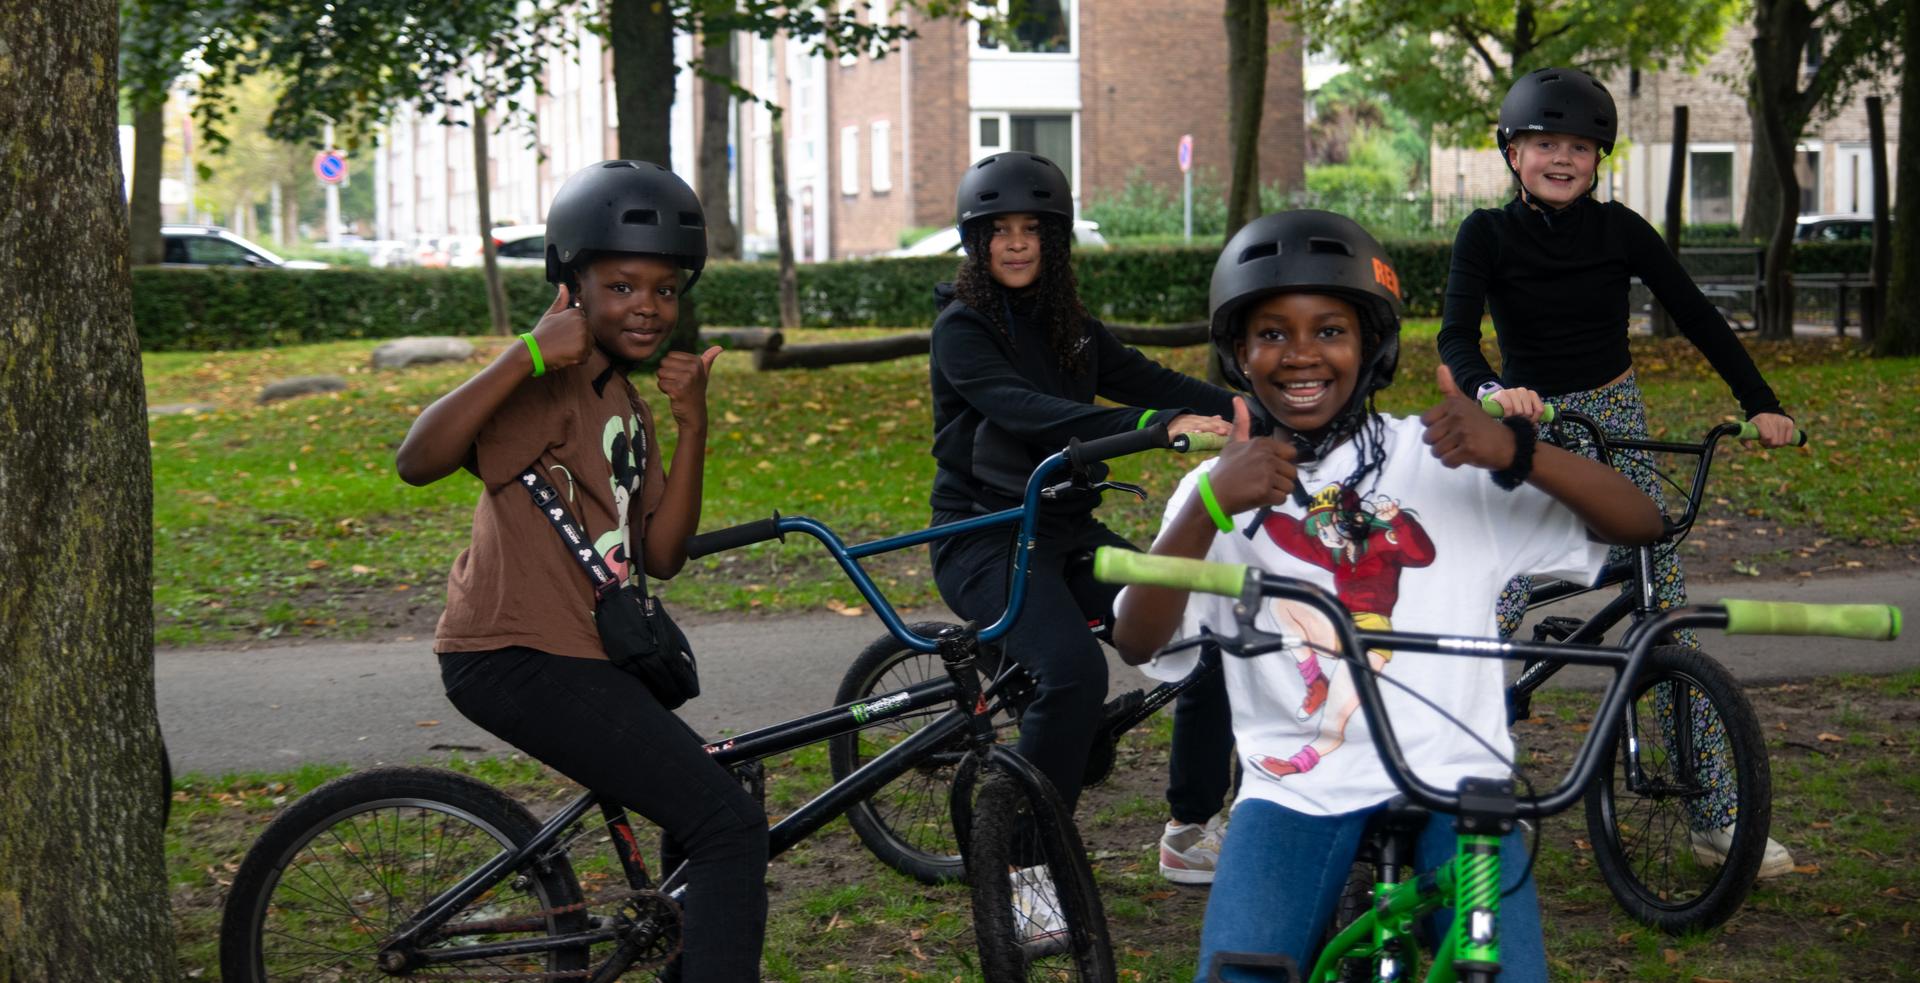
843,352
753,339
1162,335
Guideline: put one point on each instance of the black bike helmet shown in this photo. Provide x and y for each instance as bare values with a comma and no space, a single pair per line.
1009,183
625,206
1559,100
1307,251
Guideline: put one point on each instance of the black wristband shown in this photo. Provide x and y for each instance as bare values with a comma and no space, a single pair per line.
1514,475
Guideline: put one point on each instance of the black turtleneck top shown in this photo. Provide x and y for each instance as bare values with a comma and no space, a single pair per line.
1557,289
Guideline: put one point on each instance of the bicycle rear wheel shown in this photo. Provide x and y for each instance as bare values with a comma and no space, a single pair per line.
908,824
1036,912
351,862
1703,765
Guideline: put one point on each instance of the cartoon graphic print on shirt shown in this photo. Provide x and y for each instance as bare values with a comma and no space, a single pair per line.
1366,577
624,442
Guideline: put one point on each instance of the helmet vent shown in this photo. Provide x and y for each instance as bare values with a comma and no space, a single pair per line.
989,195
1553,114
1259,250
1042,193
1318,245
640,216
691,220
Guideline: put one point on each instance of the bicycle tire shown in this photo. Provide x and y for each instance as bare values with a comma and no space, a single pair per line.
369,850
1022,825
1642,840
908,824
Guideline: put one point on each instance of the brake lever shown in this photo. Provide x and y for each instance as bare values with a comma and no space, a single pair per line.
1133,489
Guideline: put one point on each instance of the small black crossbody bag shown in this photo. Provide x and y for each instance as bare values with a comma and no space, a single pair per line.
634,627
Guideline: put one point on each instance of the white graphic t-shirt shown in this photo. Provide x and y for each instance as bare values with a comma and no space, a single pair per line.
1436,547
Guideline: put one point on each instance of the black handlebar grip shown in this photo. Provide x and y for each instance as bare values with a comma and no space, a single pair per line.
733,537
1082,453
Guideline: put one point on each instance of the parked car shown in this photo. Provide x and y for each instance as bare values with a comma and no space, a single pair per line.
1086,235
1834,228
521,245
211,245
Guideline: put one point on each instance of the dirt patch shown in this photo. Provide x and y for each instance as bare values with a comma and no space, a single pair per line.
1724,549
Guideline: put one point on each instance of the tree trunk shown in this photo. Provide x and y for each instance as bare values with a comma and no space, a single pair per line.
783,226
83,891
1781,30
716,97
1763,185
1246,100
1676,193
1874,303
1900,330
641,35
489,253
144,246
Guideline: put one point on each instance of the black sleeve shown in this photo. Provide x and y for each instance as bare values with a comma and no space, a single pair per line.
1132,379
1475,251
977,366
1649,258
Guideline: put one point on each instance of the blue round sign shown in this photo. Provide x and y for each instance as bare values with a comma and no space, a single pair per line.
330,166
1186,152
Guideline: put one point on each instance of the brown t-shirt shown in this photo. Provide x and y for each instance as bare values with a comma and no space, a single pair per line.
517,584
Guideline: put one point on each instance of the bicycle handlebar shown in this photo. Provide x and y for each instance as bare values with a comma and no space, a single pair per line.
733,537
1742,431
1249,585
1873,622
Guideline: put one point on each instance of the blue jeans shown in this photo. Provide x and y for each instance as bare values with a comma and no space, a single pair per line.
1281,873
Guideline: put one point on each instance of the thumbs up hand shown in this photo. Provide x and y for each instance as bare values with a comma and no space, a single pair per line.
562,333
683,377
1252,471
1461,432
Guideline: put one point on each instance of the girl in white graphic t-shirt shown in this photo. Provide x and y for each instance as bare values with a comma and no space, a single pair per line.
1317,485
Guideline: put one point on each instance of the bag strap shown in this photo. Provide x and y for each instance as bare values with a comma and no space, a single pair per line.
571,535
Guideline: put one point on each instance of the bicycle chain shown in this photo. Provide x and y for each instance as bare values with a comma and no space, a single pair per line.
613,898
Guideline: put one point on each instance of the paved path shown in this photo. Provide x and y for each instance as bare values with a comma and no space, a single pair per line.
275,707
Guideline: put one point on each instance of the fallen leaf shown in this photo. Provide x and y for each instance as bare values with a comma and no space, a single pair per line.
1823,824
814,438
1806,869
361,568
426,723
1672,956
317,564
1831,738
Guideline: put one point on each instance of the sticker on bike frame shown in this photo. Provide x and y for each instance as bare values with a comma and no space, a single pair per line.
866,712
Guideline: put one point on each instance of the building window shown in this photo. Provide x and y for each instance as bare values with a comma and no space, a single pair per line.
1710,186
990,132
1048,134
1806,170
882,167
846,14
877,12
1028,27
850,160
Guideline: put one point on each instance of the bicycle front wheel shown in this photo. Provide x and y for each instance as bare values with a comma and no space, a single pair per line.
1036,911
347,865
1680,811
908,824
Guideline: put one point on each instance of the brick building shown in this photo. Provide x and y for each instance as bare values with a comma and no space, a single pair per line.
877,146
1832,163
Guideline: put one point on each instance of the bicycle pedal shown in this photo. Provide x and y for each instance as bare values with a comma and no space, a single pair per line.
752,776
1119,709
1557,628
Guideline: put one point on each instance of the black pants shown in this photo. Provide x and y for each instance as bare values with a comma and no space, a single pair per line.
601,727
1052,639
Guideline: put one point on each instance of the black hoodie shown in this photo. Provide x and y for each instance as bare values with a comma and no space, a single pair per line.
1001,405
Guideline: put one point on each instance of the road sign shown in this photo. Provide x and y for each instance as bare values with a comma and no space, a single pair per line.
330,166
1186,153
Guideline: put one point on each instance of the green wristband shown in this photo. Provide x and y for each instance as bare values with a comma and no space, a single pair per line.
1220,520
1145,418
533,348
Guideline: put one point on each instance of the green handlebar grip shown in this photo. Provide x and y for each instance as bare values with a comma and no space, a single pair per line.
1114,565
1750,432
1874,622
1199,442
1493,408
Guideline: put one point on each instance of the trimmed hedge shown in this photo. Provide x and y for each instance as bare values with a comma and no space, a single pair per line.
217,308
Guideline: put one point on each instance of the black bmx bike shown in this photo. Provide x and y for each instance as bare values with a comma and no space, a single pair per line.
424,873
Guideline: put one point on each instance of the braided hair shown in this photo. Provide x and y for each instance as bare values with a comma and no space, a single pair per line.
1052,303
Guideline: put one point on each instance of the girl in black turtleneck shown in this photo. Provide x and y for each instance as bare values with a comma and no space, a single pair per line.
1553,268
1015,368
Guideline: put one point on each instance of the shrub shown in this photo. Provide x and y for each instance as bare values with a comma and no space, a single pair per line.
215,308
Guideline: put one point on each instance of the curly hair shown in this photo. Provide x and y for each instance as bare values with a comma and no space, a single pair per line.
1052,303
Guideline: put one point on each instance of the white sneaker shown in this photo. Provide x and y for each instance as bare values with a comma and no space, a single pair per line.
1710,847
1037,918
1189,853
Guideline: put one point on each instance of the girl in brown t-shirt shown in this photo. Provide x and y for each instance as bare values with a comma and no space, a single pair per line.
519,652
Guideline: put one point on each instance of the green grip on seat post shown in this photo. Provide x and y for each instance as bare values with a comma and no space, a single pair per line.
1874,622
1114,565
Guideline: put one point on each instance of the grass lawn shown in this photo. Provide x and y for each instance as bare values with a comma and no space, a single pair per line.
287,519
1846,773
